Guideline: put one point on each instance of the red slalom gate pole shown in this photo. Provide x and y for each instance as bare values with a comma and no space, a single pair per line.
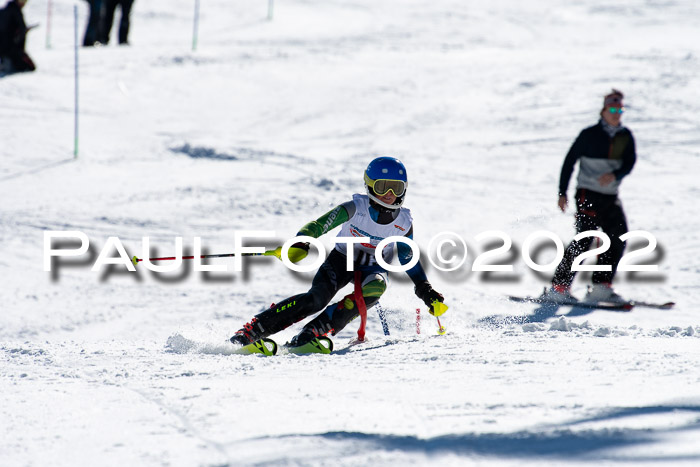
361,307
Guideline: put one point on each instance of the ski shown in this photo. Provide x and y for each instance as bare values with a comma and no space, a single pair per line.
626,306
322,345
658,306
264,346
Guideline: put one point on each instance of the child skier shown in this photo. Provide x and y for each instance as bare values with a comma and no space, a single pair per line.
377,215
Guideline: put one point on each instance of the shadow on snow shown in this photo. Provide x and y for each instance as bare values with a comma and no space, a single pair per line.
199,152
540,314
558,441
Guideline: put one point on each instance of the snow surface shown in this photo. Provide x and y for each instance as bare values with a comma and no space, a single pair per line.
266,126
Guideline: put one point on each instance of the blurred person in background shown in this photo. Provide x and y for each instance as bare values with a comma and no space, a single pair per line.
109,9
93,31
606,154
13,34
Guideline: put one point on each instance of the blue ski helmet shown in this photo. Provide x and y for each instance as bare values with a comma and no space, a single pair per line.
386,174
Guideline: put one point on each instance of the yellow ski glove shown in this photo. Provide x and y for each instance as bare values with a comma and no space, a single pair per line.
296,252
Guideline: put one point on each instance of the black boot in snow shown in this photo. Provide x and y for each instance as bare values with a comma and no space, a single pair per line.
304,337
319,326
249,333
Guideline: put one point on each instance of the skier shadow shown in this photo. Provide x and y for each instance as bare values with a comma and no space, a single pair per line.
376,343
563,441
541,314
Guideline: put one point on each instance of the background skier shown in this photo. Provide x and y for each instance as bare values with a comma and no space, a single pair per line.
377,215
109,8
606,154
13,36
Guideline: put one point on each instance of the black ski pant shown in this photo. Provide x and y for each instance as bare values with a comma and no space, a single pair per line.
595,211
110,7
93,32
330,278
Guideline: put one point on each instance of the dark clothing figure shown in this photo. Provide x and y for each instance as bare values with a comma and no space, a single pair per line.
110,7
606,154
13,34
93,32
599,149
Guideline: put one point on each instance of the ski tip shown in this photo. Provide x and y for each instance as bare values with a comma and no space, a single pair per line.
135,260
322,345
269,347
264,346
659,306
328,344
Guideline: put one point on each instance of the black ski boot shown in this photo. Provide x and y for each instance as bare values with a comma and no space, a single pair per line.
272,320
317,327
249,333
304,337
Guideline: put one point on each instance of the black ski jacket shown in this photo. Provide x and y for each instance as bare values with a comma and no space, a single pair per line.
599,154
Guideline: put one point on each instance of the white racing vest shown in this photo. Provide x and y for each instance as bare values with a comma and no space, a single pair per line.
362,225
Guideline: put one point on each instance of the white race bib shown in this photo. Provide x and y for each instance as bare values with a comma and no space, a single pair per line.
362,225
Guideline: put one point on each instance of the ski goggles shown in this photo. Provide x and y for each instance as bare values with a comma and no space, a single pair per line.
616,110
382,187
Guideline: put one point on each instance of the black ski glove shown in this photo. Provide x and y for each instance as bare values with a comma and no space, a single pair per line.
425,292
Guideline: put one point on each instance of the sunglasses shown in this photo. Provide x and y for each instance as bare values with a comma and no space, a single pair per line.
382,187
616,110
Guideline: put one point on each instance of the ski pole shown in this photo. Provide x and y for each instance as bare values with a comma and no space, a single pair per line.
274,253
438,308
382,319
441,328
